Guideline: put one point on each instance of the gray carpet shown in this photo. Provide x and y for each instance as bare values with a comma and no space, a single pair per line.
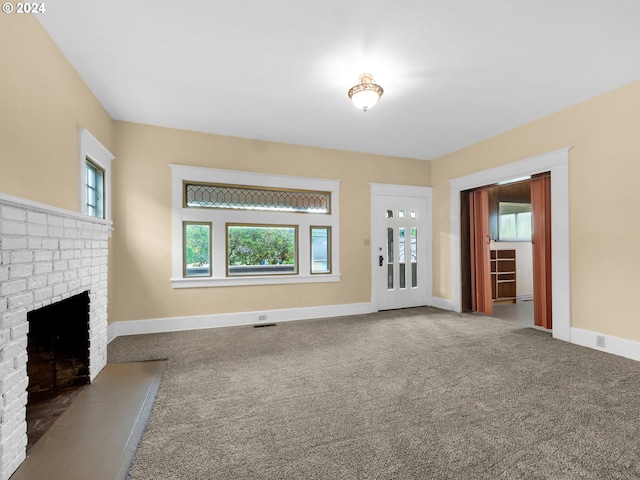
410,394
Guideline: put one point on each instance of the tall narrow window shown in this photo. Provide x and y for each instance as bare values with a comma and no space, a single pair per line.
320,249
197,249
94,176
94,190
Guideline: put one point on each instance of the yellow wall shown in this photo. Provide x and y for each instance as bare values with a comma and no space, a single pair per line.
43,104
604,171
139,286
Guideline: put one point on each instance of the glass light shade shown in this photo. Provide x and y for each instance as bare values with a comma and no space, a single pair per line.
366,94
365,99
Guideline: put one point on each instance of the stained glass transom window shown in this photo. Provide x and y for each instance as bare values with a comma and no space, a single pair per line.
256,198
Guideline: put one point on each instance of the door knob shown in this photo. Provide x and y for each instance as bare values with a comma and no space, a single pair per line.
380,260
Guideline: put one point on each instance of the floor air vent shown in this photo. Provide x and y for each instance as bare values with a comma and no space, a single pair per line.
263,325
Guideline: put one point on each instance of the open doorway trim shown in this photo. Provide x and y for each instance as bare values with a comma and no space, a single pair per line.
556,162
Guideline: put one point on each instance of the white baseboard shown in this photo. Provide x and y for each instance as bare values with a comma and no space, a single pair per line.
525,297
616,345
443,303
173,324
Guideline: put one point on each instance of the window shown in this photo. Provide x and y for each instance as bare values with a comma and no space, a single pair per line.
261,250
95,176
197,249
263,229
320,249
514,221
95,190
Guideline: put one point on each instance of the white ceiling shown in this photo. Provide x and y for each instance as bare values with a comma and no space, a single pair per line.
454,71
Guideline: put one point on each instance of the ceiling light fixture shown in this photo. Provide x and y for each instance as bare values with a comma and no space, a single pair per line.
366,94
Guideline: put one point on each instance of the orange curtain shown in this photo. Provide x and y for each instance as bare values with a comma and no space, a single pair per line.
541,208
480,263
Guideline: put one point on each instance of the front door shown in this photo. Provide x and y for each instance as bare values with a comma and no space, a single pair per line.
401,246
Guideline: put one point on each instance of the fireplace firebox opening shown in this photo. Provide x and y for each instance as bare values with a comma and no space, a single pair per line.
58,360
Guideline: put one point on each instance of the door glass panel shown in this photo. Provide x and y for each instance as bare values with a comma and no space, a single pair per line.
414,257
389,213
401,256
401,214
413,214
389,258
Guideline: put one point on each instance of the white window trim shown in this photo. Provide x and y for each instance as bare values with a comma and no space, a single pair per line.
220,217
90,148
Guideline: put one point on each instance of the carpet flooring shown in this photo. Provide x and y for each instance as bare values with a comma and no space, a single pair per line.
410,394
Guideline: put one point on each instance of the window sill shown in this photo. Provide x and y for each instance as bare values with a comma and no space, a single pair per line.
253,280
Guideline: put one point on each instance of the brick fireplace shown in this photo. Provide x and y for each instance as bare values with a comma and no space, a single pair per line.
47,255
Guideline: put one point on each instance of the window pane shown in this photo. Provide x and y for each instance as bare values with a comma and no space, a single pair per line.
320,249
197,249
94,191
259,250
508,226
523,224
401,259
390,258
414,257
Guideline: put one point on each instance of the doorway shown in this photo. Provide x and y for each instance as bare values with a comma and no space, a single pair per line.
498,273
401,246
556,162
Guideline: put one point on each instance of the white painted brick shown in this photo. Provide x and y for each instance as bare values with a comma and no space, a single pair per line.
56,278
70,223
19,331
37,230
60,289
5,337
54,220
78,244
43,294
12,288
74,285
11,350
4,304
14,243
50,244
8,212
37,217
70,275
60,266
66,244
34,243
43,256
21,256
37,282
85,282
56,255
71,234
13,318
8,227
86,253
43,267
16,392
67,254
21,300
4,274
12,380
20,271
6,367
16,408
20,360
56,232
75,264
